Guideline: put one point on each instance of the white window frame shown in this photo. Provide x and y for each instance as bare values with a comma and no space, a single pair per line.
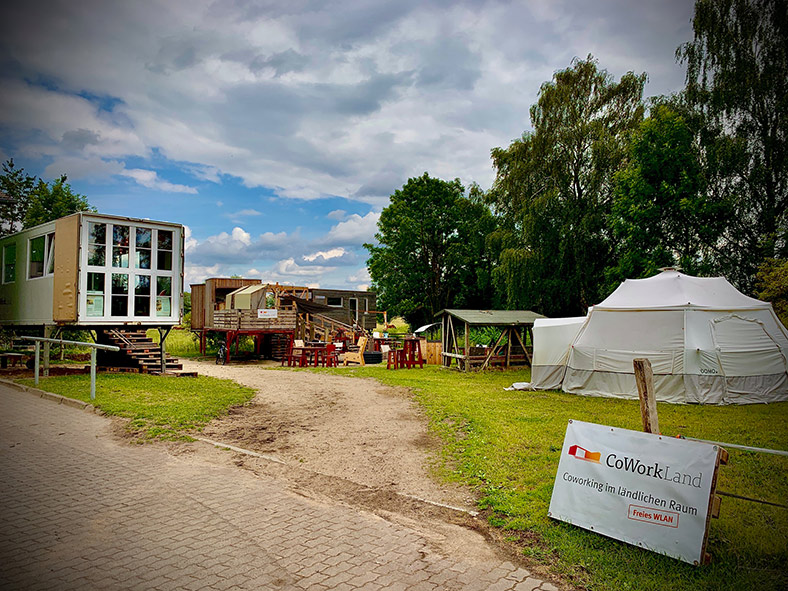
132,272
49,255
339,305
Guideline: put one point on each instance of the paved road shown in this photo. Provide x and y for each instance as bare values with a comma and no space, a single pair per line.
80,510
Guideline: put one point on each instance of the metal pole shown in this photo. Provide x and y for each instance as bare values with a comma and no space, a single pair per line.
92,374
38,351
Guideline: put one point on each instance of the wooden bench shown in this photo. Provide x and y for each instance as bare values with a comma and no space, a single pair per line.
14,358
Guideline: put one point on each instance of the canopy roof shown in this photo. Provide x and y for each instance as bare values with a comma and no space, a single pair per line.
493,317
671,289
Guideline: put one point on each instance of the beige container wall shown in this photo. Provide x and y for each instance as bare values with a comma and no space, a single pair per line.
66,280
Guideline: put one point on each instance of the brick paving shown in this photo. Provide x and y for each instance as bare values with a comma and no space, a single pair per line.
80,510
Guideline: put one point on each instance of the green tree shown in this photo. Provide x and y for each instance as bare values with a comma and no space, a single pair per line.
554,188
663,214
431,251
737,77
50,201
16,187
772,284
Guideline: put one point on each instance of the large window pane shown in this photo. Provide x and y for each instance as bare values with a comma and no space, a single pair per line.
163,296
120,299
9,263
165,240
120,235
36,267
120,256
97,233
97,254
142,260
143,237
95,295
120,283
142,285
164,262
95,282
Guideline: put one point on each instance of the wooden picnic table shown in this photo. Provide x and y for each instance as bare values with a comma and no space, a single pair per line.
310,353
14,358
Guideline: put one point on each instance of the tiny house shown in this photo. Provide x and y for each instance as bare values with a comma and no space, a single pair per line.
89,269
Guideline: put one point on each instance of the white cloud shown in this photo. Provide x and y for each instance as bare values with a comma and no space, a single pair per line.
326,254
194,274
151,180
310,102
337,214
354,230
289,268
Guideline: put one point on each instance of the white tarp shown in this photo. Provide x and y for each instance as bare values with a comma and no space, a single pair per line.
644,489
552,339
707,343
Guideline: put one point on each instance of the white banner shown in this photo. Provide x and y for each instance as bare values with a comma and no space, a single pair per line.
262,313
644,489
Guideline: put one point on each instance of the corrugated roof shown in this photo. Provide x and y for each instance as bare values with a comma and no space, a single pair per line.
496,317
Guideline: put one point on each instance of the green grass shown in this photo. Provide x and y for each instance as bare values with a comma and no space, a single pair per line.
159,407
507,446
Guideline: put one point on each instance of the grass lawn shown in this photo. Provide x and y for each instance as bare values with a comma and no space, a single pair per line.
507,445
159,408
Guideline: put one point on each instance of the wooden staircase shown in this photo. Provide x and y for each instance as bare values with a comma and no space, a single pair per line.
137,352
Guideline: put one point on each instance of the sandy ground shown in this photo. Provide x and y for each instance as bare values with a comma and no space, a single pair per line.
348,429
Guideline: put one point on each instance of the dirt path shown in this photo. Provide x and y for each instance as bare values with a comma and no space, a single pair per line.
351,429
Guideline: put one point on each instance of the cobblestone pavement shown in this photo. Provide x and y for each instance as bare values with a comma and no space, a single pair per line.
81,510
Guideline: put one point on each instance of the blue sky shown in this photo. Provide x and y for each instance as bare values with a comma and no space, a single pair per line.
275,131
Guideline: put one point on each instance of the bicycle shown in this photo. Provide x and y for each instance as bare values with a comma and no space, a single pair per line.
221,354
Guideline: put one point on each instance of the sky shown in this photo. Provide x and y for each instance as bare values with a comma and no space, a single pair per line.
275,131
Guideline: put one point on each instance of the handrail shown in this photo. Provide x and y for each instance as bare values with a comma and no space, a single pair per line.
93,348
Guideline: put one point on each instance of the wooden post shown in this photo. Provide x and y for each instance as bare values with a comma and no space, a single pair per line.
648,400
467,347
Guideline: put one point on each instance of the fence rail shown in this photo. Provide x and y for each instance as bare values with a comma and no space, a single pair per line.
93,348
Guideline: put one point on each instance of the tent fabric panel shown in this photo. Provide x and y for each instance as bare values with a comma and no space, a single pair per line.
668,388
745,349
547,377
552,338
633,330
671,289
757,389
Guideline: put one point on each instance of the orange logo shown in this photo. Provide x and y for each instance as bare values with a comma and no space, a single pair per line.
583,454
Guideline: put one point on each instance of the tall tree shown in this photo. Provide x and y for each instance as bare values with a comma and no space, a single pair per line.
663,215
16,187
431,251
554,188
50,201
737,76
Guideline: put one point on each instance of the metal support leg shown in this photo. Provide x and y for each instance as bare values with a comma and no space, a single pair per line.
37,361
92,373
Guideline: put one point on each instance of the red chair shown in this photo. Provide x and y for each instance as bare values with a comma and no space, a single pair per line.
331,357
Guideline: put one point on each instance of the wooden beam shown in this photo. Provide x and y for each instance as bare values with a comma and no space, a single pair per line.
467,345
492,351
522,344
644,377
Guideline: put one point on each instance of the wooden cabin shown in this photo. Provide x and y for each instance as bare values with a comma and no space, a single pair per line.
222,303
93,270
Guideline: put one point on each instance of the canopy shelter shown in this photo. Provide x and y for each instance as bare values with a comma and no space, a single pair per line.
707,343
507,350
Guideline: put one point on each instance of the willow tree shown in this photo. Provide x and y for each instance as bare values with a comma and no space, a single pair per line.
554,189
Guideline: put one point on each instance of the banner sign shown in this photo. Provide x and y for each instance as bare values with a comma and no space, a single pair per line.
261,313
644,489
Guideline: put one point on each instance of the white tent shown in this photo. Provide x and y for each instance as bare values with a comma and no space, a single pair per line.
553,338
707,343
